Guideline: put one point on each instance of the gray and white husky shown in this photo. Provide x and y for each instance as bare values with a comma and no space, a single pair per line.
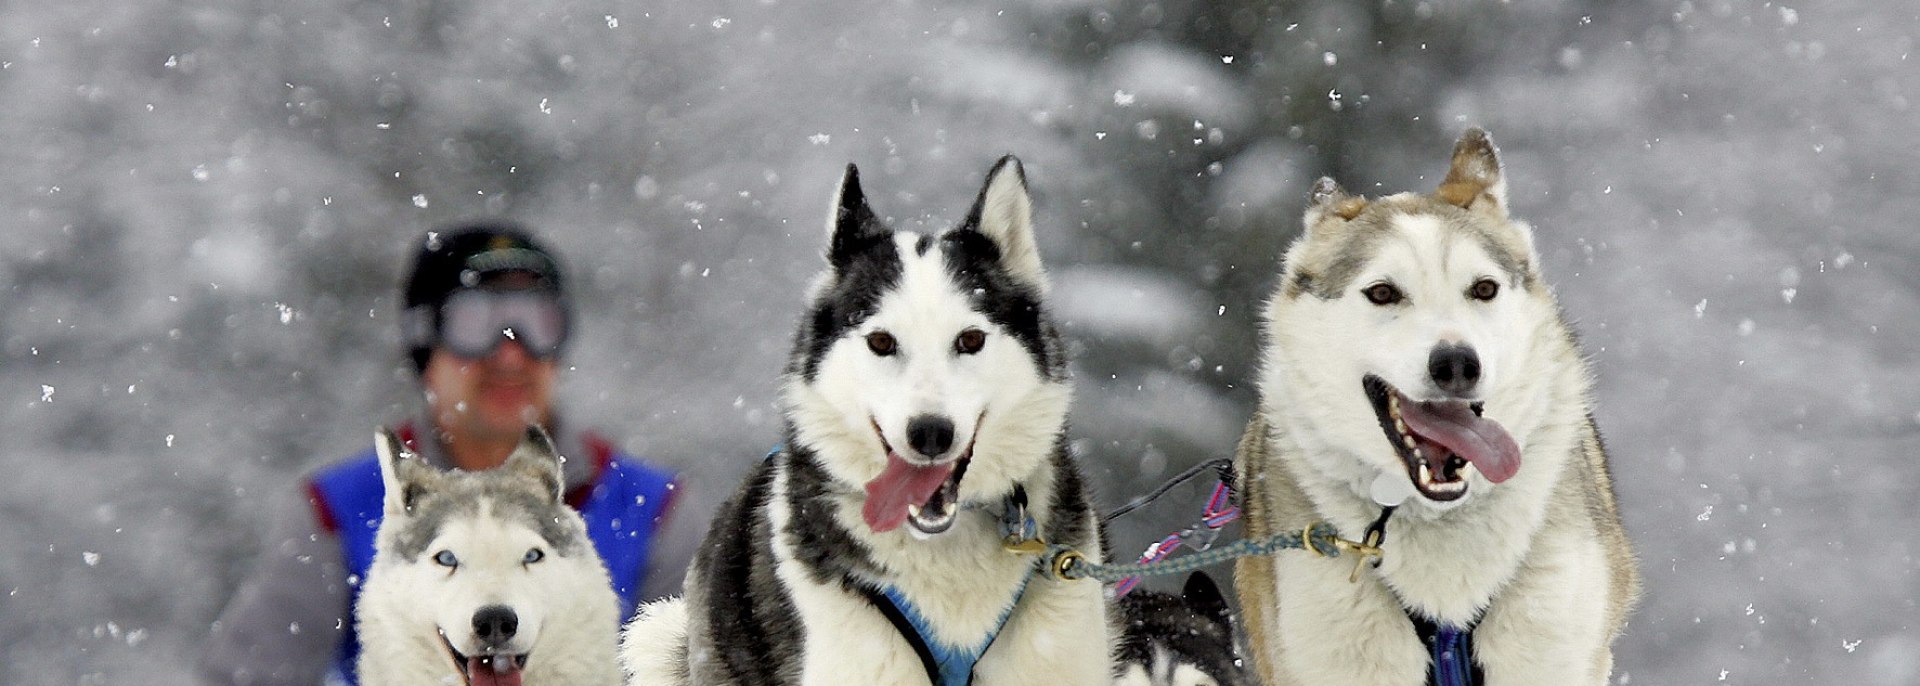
1179,640
484,578
1415,355
926,398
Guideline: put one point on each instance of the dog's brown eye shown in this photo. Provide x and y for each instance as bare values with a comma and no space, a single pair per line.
881,343
1383,294
1484,289
970,341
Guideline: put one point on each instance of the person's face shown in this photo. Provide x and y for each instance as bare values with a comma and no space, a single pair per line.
493,397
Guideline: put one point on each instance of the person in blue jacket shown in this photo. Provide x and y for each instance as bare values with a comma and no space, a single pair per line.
486,318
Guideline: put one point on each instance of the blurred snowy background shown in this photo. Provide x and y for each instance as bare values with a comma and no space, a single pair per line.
208,204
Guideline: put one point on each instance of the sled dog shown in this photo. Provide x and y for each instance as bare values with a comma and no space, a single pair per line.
1179,640
1414,355
926,401
484,578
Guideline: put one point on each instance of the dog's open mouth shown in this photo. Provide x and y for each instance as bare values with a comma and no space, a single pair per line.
1439,440
924,497
486,670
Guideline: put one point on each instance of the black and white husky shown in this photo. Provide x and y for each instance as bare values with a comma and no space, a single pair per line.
1179,640
926,400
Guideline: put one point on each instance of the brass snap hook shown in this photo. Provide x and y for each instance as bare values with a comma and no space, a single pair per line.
1367,550
1031,546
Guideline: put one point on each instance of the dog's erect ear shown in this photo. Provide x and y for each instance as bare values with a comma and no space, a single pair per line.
853,226
1004,214
1327,202
1474,180
403,476
536,457
1204,597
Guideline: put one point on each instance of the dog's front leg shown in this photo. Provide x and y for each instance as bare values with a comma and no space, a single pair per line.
1332,632
849,642
1548,625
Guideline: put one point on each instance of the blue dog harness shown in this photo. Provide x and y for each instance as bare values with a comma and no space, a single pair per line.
622,504
1451,648
947,664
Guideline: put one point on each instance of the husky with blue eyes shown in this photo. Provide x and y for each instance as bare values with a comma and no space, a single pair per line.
484,578
926,402
1417,363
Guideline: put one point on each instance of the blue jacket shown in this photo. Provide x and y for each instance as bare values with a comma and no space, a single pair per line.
623,504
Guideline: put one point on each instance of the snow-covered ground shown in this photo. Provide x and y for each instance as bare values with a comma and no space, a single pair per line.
207,206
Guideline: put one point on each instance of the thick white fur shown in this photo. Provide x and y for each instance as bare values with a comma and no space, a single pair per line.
1532,541
652,645
568,614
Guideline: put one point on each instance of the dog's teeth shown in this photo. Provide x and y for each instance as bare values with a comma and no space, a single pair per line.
1407,439
951,508
1426,475
913,511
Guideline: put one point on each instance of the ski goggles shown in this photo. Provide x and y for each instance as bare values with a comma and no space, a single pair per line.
473,322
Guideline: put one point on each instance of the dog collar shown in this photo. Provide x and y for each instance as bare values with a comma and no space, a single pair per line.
1016,524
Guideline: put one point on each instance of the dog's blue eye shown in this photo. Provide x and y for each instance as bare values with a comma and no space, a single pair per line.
445,558
533,555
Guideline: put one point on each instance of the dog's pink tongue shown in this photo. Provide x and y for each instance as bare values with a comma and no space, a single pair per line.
1476,439
483,671
898,486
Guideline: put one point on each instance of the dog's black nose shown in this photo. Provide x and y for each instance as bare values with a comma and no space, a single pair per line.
495,624
1455,368
930,435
